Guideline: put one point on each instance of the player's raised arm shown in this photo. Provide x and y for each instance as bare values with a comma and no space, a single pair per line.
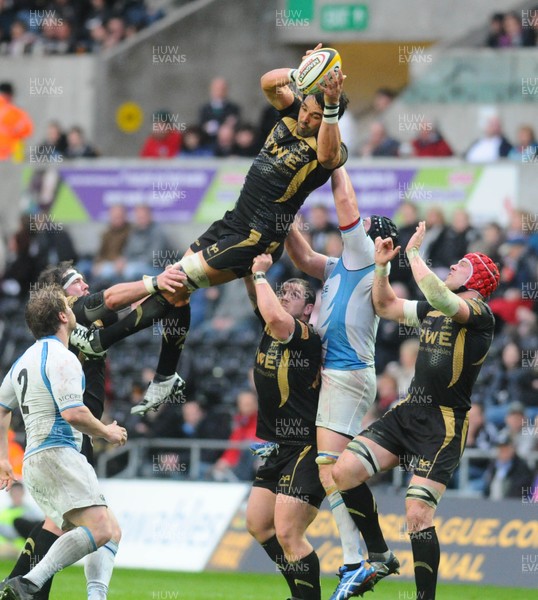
386,304
303,256
345,199
280,323
275,85
331,152
435,291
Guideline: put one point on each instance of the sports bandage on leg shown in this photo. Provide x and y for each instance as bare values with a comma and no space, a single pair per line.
438,295
425,493
326,457
365,455
196,276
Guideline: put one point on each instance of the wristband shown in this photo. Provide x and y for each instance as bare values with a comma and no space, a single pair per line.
330,113
292,74
412,252
259,278
150,283
382,271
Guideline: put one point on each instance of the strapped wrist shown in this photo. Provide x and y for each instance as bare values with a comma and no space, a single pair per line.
330,113
382,270
259,277
150,283
412,252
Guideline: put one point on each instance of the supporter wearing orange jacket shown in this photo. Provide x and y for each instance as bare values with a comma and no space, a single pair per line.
15,123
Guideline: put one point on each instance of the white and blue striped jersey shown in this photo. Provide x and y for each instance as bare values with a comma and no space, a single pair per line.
46,380
347,322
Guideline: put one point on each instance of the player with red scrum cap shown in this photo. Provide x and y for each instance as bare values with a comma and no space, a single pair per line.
428,429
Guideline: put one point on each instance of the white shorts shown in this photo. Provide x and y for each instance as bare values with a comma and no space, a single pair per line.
60,480
345,398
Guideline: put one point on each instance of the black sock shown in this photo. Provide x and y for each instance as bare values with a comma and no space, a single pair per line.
426,555
145,315
306,576
276,554
37,545
362,508
175,329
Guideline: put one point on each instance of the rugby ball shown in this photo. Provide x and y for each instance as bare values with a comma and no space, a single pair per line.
314,68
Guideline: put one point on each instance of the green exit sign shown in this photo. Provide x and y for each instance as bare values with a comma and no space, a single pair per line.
344,17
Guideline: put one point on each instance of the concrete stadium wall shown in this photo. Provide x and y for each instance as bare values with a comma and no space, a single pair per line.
53,87
393,20
171,65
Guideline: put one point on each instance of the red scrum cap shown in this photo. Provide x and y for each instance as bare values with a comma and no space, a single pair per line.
484,277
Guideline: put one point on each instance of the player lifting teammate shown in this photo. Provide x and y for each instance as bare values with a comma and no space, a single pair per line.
287,492
430,424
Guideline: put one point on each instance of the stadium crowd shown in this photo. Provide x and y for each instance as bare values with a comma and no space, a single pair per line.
48,27
216,362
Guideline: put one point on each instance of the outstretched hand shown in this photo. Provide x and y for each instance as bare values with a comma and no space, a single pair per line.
384,251
7,477
332,86
262,263
418,237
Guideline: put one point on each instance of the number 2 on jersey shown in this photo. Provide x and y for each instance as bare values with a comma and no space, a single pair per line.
23,380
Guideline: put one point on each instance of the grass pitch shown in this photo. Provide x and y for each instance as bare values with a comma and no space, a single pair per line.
128,584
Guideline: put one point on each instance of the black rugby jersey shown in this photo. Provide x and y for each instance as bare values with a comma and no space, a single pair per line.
287,379
282,175
450,355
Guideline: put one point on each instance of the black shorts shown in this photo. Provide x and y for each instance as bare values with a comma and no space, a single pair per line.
429,440
292,472
230,245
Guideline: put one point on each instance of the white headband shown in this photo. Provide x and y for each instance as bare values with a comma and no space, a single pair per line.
71,275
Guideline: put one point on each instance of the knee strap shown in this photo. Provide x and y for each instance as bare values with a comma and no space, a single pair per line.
365,455
194,270
424,493
327,457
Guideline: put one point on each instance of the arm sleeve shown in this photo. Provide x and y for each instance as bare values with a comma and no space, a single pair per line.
8,398
65,380
358,247
410,309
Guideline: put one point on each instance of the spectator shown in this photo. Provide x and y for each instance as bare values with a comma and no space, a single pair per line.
407,219
526,149
430,142
224,145
55,142
15,124
491,239
77,147
508,474
53,242
268,120
246,142
146,241
218,110
491,146
108,259
198,424
237,464
496,30
58,38
379,143
387,393
22,40
165,140
460,235
519,263
320,226
434,247
21,268
514,36
517,426
383,98
16,522
481,435
115,30
194,145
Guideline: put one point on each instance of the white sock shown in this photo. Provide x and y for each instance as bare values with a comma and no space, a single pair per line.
65,551
349,534
98,570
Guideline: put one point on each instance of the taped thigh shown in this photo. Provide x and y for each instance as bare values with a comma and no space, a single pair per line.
365,455
194,270
424,493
